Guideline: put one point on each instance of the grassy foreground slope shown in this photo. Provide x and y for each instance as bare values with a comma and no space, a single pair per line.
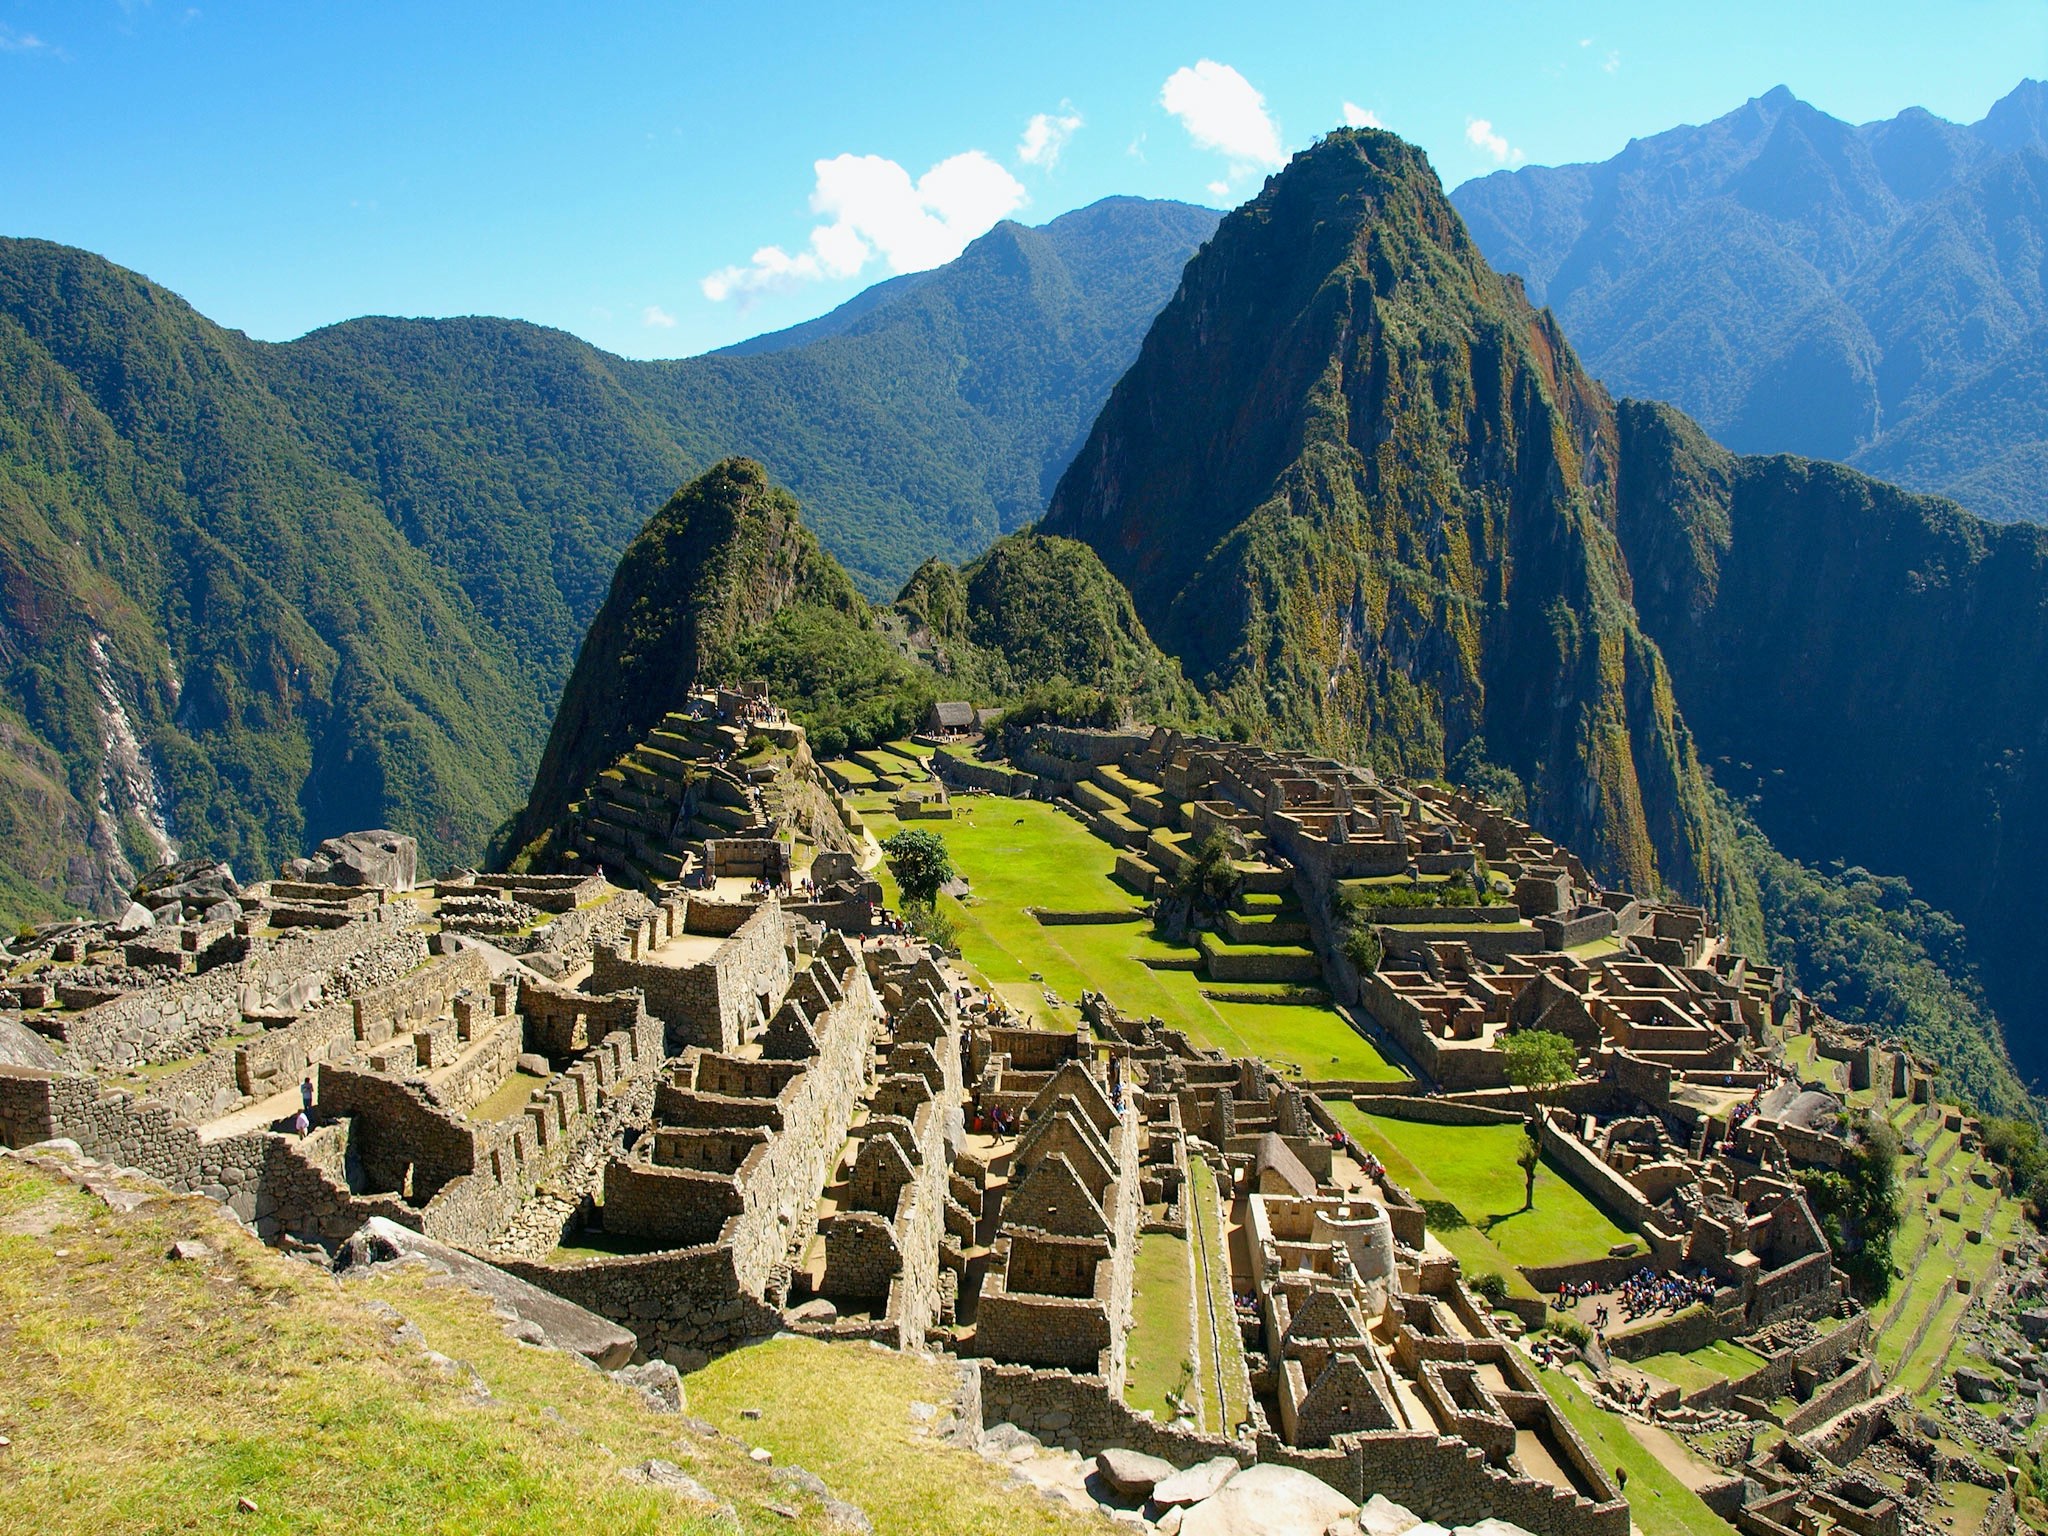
147,1394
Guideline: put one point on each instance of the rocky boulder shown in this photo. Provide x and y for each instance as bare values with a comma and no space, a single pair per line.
1193,1484
189,886
21,1046
1975,1386
389,859
561,1324
1132,1473
1268,1500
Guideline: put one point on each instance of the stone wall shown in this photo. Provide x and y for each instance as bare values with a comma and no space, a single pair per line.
190,1014
714,1003
990,778
758,1213
684,1306
1440,1479
1434,1111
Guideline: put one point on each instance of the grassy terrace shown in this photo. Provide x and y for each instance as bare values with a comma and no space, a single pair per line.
1022,853
1472,1167
153,1395
1161,1343
1659,1504
1723,1360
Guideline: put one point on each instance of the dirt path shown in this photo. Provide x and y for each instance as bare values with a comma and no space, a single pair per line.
1672,1455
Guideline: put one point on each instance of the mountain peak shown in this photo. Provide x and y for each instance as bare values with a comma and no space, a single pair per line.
1339,438
2018,119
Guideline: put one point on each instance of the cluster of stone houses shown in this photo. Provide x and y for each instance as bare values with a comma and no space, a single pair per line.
707,1114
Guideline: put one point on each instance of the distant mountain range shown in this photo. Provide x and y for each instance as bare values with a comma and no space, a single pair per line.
1873,294
251,595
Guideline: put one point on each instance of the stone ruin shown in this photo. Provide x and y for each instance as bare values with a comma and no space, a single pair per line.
707,1113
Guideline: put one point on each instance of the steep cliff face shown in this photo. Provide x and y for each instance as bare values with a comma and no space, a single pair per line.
1872,664
1364,491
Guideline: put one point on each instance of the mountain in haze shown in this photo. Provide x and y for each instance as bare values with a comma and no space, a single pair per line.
1875,294
1364,492
252,595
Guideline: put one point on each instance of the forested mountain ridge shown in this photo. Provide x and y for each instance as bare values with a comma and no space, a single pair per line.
1364,492
254,594
1870,664
1802,285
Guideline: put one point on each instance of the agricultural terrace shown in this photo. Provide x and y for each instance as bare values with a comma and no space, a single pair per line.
1019,854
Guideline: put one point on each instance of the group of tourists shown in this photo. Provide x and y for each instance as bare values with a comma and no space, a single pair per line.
1647,1291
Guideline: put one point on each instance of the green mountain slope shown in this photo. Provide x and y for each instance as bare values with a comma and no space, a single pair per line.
1871,664
1035,610
1363,491
341,581
206,625
1799,284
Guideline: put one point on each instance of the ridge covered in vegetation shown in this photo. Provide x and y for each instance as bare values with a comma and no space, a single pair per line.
254,595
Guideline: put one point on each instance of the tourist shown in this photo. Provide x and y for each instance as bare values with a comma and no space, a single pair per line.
306,1094
302,1124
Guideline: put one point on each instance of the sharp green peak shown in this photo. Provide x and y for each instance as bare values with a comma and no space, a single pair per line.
1365,493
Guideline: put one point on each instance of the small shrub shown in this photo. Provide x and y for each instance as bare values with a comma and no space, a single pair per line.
1570,1329
1362,948
1492,1285
930,923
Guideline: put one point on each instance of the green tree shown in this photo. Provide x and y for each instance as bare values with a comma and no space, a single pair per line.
1539,1061
1528,1158
930,923
921,862
1209,879
1858,1204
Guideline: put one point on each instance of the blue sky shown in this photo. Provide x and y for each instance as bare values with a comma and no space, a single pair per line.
614,169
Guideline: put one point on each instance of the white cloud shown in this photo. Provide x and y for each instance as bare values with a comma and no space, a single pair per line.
1480,135
1219,189
1224,112
873,208
1046,135
655,315
1356,116
1613,60
12,41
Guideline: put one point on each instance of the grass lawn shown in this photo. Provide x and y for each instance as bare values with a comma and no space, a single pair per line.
1473,1167
1722,1360
152,1395
1225,1374
509,1097
1162,1333
843,1412
1024,853
1659,1504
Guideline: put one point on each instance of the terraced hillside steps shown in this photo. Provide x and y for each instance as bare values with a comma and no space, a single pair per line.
642,815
